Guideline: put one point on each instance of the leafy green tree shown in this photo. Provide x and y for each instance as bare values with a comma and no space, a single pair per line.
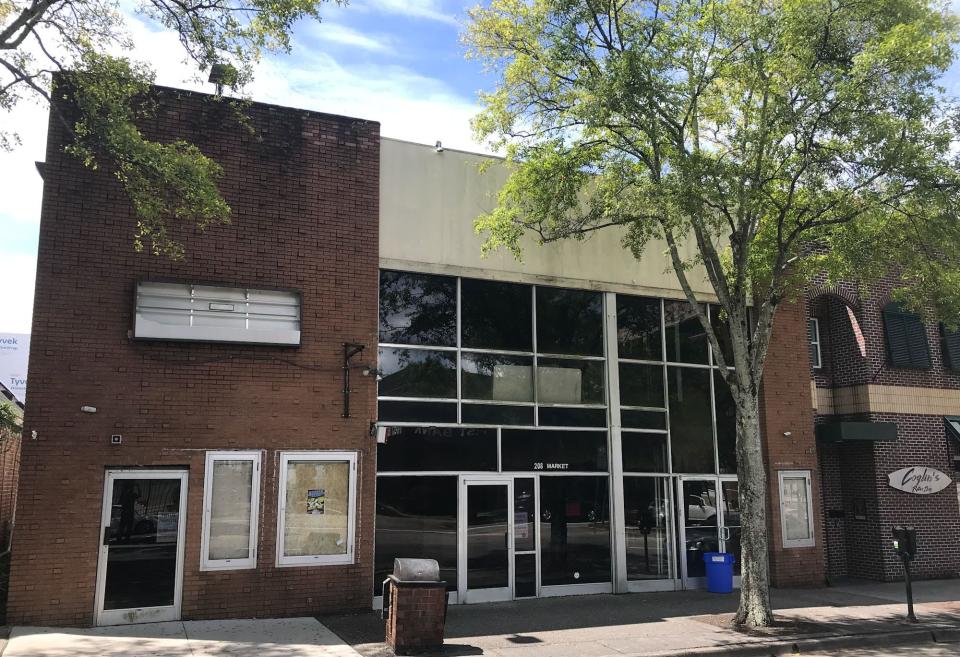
784,138
105,95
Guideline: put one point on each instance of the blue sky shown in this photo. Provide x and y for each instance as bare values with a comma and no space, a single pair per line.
399,62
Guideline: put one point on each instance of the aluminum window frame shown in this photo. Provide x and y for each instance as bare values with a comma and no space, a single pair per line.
250,562
813,331
319,456
807,476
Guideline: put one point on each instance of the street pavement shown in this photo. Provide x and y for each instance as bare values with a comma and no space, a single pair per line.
289,637
868,617
681,622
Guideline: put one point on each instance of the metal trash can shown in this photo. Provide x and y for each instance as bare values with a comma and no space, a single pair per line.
719,567
414,606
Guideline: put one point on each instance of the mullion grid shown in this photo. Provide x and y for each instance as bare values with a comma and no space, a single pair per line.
666,365
459,349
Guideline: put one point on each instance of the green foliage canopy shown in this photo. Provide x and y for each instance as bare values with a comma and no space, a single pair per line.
787,137
168,184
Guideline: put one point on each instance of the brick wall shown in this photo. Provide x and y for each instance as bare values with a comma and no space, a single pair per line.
304,191
786,406
861,546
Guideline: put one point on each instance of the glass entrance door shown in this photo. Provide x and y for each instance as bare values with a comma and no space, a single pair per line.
709,519
140,566
485,573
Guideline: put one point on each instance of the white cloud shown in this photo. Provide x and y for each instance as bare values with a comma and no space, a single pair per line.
427,9
343,35
408,106
17,273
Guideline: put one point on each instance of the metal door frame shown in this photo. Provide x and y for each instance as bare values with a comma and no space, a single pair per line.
465,596
139,614
686,581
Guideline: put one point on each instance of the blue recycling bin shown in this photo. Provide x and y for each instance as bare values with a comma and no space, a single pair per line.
719,566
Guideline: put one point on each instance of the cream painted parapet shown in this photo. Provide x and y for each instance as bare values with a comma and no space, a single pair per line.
429,201
870,398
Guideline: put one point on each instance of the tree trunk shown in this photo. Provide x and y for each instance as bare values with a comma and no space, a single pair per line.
754,608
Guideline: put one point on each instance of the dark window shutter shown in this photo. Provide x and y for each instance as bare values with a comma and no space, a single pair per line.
906,338
951,347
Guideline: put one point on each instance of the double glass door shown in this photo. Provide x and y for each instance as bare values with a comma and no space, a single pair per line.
140,565
497,539
709,511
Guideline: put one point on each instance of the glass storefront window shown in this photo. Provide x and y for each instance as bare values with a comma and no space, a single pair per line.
417,373
526,450
496,315
418,309
496,377
317,503
726,418
407,411
646,502
691,426
641,385
686,339
644,452
639,334
231,497
569,381
569,322
416,517
574,530
409,449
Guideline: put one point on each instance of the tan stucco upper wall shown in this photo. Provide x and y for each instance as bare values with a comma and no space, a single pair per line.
429,201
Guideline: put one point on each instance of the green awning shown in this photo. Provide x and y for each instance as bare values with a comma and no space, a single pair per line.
835,432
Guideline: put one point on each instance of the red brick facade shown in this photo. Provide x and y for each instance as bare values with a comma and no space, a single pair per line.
304,192
860,507
787,408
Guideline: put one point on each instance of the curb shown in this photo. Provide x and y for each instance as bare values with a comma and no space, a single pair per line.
821,644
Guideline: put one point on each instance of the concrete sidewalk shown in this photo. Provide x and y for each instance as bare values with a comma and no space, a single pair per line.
683,622
289,637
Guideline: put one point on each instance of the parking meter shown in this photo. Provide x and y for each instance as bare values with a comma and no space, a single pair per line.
905,545
905,542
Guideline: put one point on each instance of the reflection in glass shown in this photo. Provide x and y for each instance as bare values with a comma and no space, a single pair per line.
488,565
574,530
731,520
691,429
638,328
525,576
644,452
726,426
497,414
686,340
142,543
569,322
568,381
700,524
524,515
416,517
417,373
646,507
559,416
525,450
316,508
496,315
409,449
643,419
641,385
418,309
231,491
496,378
410,411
